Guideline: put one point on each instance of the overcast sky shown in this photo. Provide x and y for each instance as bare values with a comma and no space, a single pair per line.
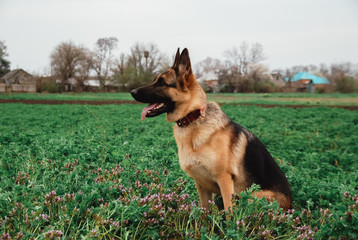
292,32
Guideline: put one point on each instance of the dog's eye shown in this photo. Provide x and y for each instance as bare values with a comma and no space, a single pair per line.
160,82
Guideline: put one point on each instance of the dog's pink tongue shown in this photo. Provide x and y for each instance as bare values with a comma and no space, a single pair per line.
147,109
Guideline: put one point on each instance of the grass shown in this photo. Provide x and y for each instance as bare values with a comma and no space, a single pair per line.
246,98
288,98
68,96
98,172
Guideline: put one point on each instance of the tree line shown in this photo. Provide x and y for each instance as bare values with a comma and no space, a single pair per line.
343,77
71,61
240,71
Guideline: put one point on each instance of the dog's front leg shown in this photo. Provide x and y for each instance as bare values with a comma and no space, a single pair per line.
204,195
226,185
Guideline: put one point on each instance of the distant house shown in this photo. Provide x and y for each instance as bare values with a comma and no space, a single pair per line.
210,80
92,84
17,80
89,84
277,79
303,80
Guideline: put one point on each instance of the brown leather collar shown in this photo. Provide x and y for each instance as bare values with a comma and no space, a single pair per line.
191,117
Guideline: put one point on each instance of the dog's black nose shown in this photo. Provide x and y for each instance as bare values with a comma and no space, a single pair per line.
134,92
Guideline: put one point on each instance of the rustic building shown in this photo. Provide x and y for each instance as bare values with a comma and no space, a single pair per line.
17,80
210,80
304,80
277,79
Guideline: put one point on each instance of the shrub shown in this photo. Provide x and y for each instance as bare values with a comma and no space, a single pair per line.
346,85
50,87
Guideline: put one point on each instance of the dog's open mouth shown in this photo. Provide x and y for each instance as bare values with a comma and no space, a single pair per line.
155,109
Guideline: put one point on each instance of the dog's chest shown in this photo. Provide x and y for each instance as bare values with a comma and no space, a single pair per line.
196,163
193,158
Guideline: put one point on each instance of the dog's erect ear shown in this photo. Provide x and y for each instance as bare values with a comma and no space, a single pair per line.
184,63
176,60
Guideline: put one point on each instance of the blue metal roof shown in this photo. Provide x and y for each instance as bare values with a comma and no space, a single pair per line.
306,75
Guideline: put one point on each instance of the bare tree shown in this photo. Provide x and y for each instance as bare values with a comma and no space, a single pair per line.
146,58
244,55
260,78
323,68
230,79
340,77
208,65
235,57
70,61
298,68
103,58
119,65
256,53
84,69
238,61
140,66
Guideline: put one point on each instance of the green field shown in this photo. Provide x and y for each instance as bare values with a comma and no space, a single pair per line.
98,172
251,98
67,96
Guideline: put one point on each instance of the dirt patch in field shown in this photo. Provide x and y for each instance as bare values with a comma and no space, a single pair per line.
352,108
351,100
57,102
118,102
297,100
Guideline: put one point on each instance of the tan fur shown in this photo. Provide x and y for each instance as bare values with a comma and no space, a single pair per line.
205,155
282,199
204,147
187,99
208,150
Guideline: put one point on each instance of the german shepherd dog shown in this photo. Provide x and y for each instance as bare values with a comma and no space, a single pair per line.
220,155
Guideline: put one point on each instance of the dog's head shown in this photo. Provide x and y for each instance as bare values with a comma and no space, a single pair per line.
174,92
